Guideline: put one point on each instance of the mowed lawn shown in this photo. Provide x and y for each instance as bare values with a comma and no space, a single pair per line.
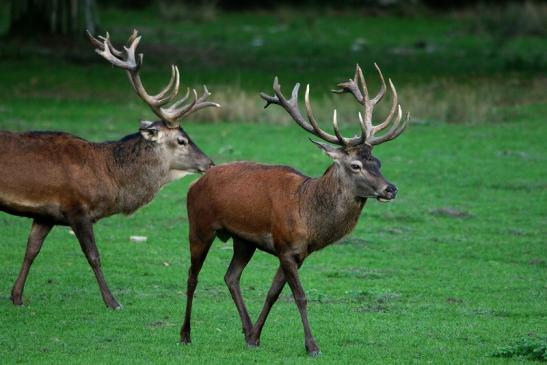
452,270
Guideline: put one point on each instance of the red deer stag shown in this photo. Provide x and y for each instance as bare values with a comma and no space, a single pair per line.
285,213
59,179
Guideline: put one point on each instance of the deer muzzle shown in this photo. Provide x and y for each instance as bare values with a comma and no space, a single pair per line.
388,194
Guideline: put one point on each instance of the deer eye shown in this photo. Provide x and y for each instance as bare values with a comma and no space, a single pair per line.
356,166
182,141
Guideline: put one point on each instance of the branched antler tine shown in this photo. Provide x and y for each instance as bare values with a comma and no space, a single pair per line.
343,141
402,126
202,102
132,37
179,102
360,78
175,112
94,41
132,62
205,94
291,106
106,53
182,100
393,132
366,102
394,105
172,88
382,91
113,50
269,99
294,94
365,130
316,130
350,87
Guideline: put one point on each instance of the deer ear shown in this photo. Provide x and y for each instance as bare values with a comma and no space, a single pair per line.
149,131
331,151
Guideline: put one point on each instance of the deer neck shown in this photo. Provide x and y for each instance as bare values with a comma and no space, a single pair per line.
138,170
332,210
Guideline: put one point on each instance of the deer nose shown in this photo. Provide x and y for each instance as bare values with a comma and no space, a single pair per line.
210,164
206,165
390,191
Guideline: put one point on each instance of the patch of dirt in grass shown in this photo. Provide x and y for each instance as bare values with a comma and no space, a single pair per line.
396,230
454,300
519,186
536,261
378,302
368,301
450,212
353,241
357,273
217,294
516,232
490,312
510,153
400,218
160,324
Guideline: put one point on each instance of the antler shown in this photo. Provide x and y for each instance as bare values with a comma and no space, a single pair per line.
291,106
358,88
158,103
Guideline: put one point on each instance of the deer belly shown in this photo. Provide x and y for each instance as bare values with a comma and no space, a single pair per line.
20,204
262,240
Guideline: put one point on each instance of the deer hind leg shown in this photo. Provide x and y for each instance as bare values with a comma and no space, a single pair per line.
290,269
38,234
199,247
277,286
83,229
243,252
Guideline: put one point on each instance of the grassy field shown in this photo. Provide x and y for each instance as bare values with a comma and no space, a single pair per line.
450,272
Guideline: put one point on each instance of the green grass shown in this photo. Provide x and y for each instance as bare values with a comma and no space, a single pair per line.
450,273
413,283
532,347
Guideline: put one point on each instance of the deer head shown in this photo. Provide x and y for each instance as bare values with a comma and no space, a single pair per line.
174,145
358,169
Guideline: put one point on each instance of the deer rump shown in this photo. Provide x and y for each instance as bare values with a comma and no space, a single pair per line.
43,172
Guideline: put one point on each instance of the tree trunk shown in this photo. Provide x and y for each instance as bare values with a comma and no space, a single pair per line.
66,18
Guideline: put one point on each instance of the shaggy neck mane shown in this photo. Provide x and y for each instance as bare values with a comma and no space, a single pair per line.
138,185
329,208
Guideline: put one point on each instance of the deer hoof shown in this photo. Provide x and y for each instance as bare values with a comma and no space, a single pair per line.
16,300
185,339
252,343
114,305
314,353
313,350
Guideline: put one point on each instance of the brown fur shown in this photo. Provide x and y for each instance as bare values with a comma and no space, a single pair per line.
294,216
283,212
58,179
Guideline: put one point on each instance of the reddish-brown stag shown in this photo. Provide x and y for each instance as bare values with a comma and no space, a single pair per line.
58,179
285,213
